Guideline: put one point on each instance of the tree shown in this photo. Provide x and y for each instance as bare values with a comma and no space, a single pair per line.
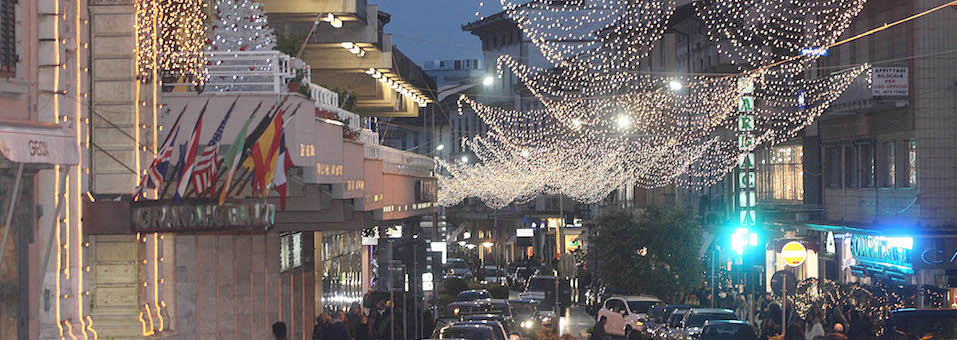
655,251
241,25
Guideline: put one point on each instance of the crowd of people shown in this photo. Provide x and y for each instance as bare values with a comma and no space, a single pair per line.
351,325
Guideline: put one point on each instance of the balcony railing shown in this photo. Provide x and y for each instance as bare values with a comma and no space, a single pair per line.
406,163
247,72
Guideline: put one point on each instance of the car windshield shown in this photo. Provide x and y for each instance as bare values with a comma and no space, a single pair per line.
640,307
728,331
471,333
540,284
675,318
698,319
523,309
472,296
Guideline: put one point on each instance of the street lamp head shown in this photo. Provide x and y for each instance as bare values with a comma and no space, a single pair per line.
487,244
623,122
488,81
440,147
675,85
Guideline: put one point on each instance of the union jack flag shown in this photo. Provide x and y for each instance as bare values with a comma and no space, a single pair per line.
156,173
207,164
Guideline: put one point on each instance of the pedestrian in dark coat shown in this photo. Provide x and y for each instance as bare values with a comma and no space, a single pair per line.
598,330
364,329
279,330
336,330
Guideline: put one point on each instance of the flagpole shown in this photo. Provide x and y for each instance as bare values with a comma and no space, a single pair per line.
219,173
247,144
198,135
139,188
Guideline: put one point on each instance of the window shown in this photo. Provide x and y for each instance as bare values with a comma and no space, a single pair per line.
910,166
888,170
780,173
850,166
8,41
866,150
832,166
290,251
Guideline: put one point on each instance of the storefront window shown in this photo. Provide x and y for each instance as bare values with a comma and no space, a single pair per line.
780,173
341,261
290,251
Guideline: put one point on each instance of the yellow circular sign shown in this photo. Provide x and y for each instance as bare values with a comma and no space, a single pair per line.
794,253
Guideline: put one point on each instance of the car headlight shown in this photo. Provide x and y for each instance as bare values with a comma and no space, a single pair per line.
455,311
527,324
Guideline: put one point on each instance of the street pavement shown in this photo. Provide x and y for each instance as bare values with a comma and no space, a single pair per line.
575,322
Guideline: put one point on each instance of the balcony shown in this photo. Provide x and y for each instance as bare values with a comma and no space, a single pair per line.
261,72
345,10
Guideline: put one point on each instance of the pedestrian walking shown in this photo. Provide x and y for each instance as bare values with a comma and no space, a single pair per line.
814,325
364,329
279,330
598,330
336,330
353,319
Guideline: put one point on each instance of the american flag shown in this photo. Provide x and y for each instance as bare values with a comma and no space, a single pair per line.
207,164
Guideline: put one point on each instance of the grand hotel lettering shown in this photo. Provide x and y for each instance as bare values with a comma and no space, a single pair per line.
201,216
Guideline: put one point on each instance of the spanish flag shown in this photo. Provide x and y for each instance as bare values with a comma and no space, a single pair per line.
264,153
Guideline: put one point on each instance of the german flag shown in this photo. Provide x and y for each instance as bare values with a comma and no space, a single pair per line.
264,152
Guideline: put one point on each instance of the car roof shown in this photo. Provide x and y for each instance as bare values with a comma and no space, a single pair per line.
638,298
474,291
711,310
680,306
484,315
725,322
466,324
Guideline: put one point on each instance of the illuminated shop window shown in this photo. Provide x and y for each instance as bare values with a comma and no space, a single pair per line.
780,173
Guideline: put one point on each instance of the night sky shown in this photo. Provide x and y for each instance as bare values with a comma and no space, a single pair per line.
432,29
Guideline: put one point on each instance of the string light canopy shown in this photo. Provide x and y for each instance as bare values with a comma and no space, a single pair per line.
585,149
759,32
171,37
240,25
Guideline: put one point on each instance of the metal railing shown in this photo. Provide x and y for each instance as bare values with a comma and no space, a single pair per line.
406,163
248,72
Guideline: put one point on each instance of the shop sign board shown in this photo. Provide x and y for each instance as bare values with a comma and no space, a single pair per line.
885,251
889,81
794,253
195,216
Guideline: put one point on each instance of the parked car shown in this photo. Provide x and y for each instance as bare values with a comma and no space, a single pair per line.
672,325
458,268
493,276
654,321
472,295
695,318
524,316
537,286
925,323
520,276
727,330
498,330
465,331
626,314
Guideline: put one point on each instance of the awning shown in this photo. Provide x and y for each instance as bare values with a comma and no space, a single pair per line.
37,143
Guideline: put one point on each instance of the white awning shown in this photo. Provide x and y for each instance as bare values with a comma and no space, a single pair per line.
37,143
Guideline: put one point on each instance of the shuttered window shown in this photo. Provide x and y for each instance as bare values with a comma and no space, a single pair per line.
8,50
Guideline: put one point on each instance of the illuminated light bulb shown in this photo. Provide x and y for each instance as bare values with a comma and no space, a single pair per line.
348,45
623,122
488,81
371,71
675,85
525,153
336,23
355,50
464,159
576,123
377,75
440,147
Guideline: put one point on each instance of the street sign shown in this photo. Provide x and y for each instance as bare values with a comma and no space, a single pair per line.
786,278
794,253
746,180
746,142
746,161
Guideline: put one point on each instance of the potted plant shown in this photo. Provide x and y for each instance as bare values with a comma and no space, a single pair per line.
295,84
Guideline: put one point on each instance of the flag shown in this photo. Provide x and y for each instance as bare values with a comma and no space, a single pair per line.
263,153
235,153
283,162
207,164
187,157
156,173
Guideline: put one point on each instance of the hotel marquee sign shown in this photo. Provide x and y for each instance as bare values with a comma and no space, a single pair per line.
198,216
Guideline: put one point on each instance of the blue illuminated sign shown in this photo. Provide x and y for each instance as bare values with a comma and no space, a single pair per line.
884,251
814,51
